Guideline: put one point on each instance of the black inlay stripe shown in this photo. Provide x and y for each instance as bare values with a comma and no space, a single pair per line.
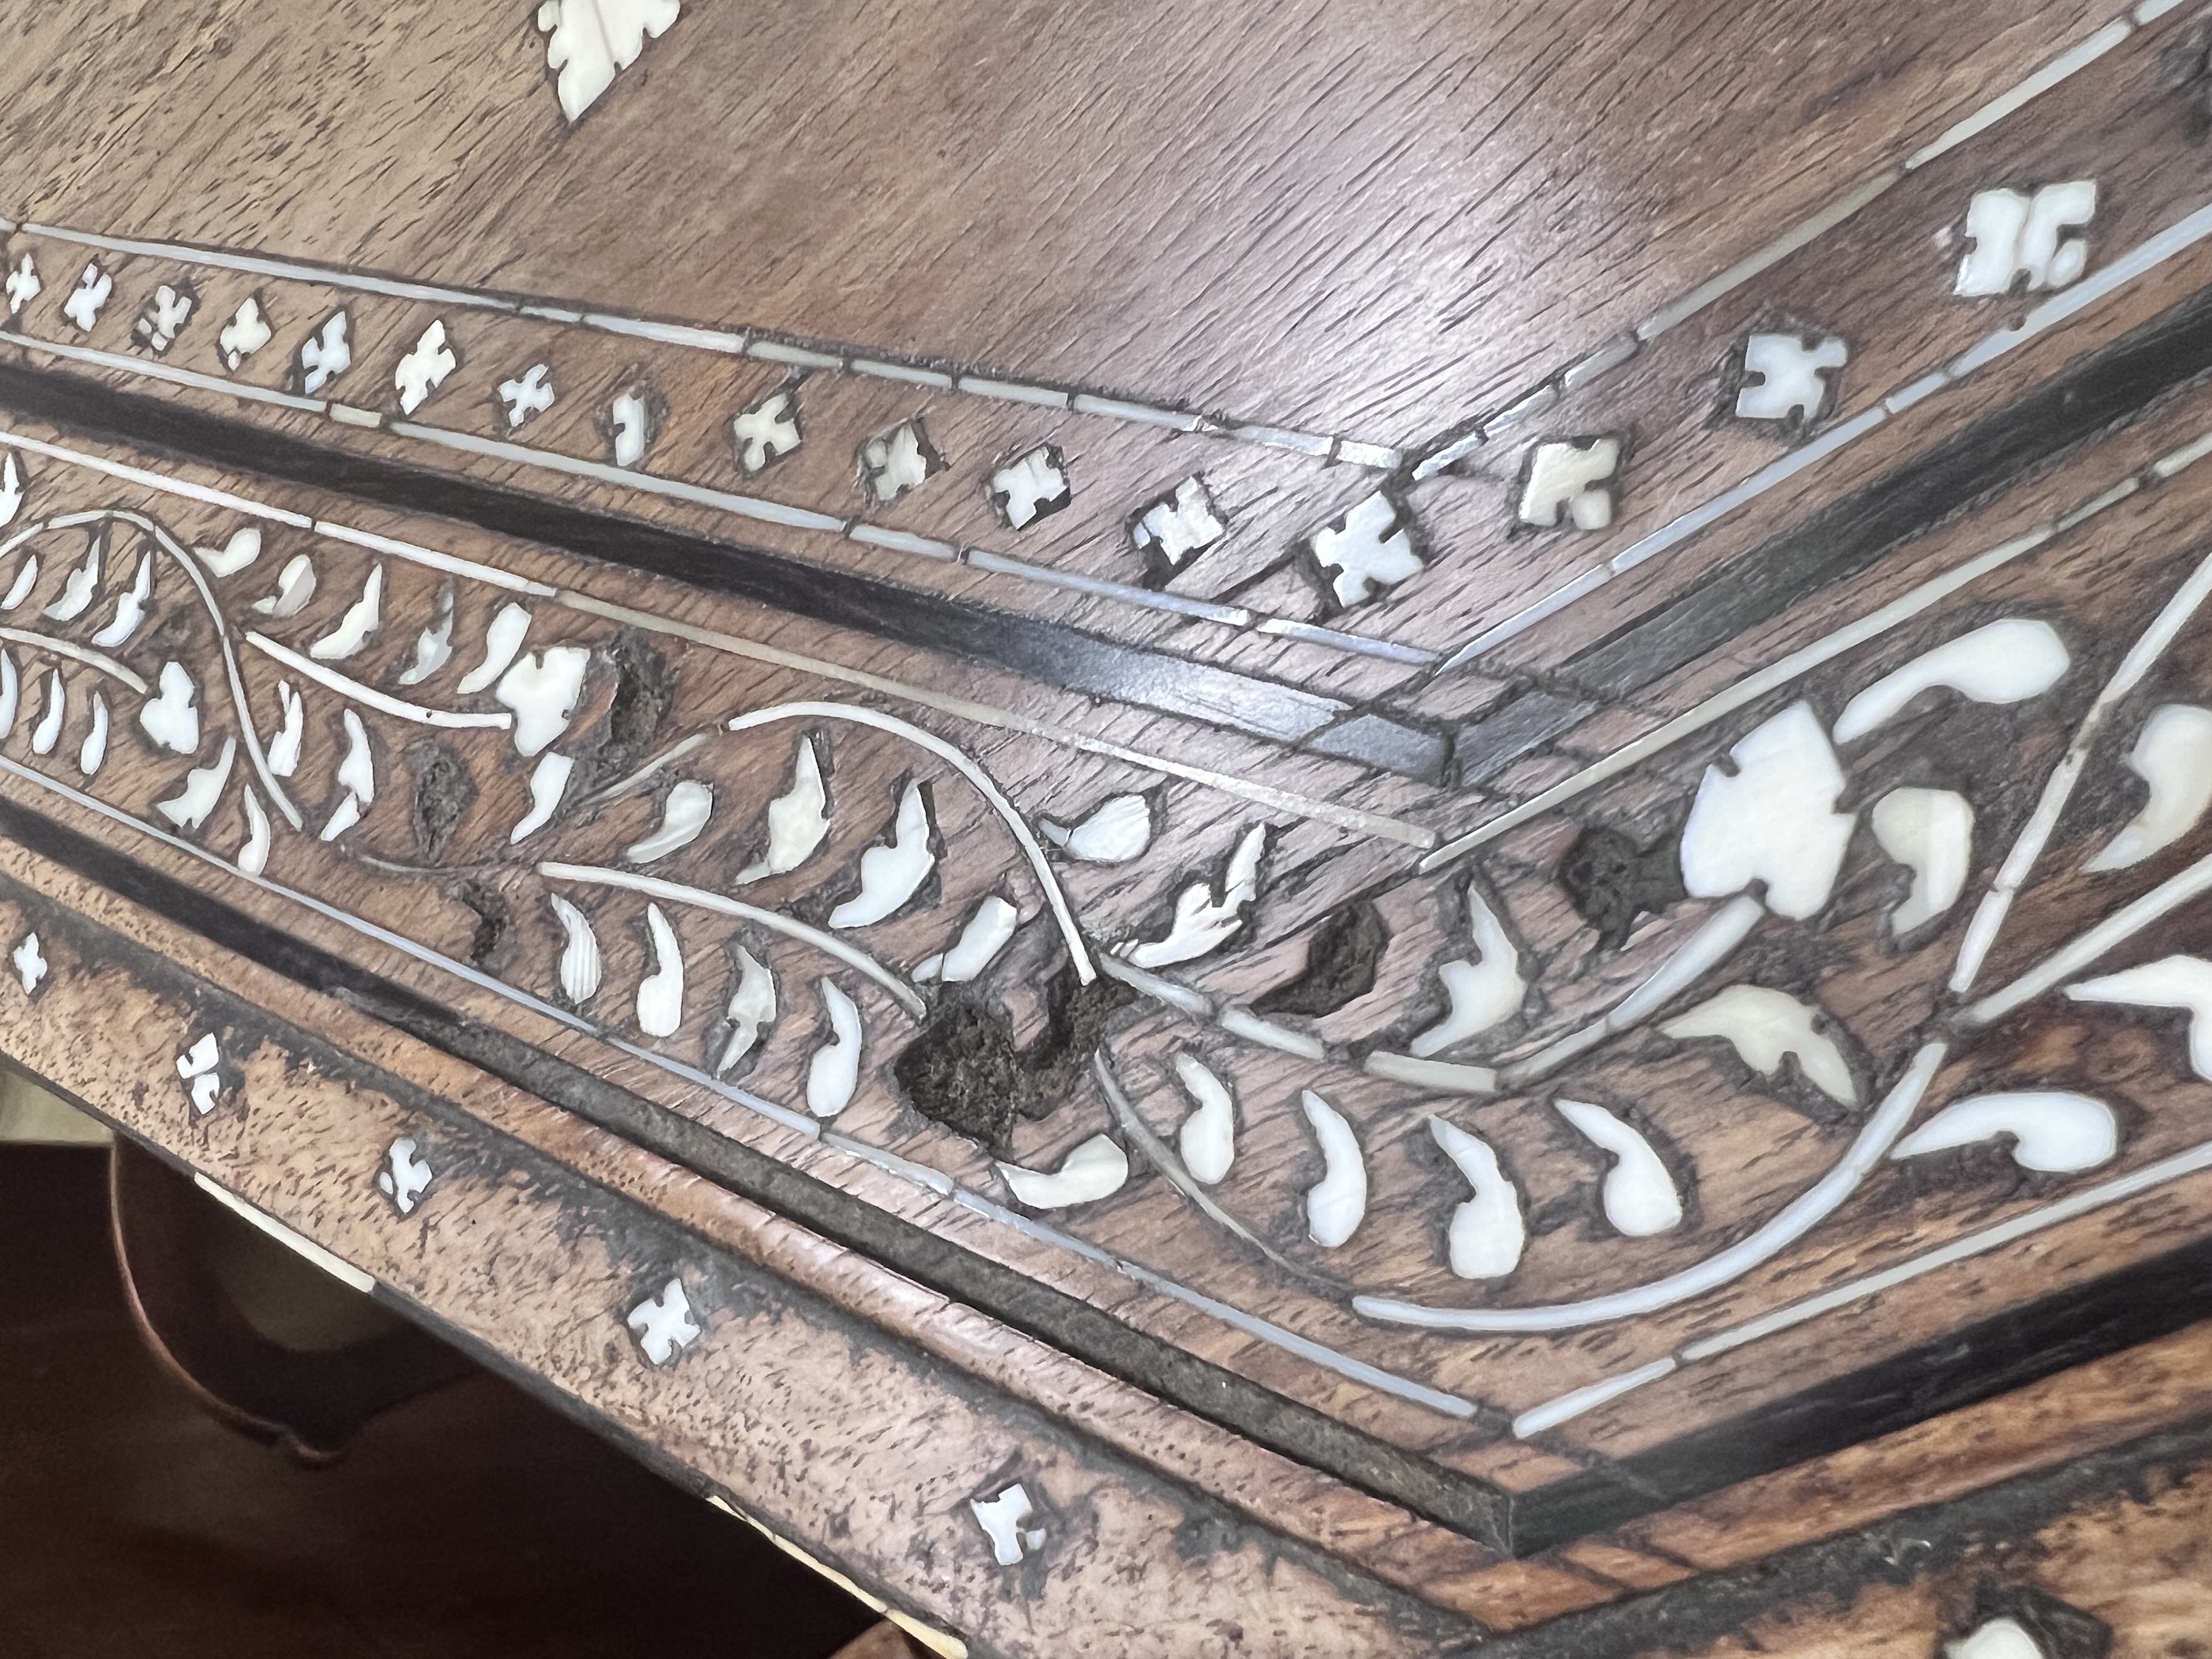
1048,652
2097,393
1975,1363
1360,1460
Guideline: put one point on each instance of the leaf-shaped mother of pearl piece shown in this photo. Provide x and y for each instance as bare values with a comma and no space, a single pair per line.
1118,830
1637,1194
2007,661
2053,1130
1093,1170
1336,1203
1772,821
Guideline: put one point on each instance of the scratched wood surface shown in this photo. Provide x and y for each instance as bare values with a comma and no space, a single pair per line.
1444,781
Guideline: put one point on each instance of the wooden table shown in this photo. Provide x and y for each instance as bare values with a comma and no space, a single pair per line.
1229,829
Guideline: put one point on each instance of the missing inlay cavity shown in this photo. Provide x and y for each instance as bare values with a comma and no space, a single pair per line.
1613,883
1342,957
444,792
965,1072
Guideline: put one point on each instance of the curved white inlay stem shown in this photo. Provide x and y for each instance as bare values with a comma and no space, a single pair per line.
834,1071
1076,950
121,673
1637,1192
369,698
2173,756
674,893
1337,1202
2053,1130
1804,1212
1093,1170
2008,661
660,993
1482,993
1487,1234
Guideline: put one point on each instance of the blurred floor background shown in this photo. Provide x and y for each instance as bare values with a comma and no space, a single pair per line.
474,1521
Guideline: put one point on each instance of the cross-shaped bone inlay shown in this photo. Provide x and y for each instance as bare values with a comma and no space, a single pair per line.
1573,476
164,314
23,285
325,355
663,1323
404,1175
1369,549
894,462
83,307
1001,1519
1176,528
424,370
632,424
2017,236
1786,379
767,430
197,1066
30,962
529,393
245,333
1030,487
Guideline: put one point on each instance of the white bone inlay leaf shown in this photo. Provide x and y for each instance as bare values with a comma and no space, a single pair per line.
1369,549
1336,1203
1574,477
424,369
1120,829
1792,378
1931,833
82,587
1480,993
434,646
682,818
529,393
27,578
404,1178
253,856
1999,1638
198,1066
660,993
664,1324
2175,982
1637,1192
895,462
580,953
356,775
2019,236
631,426
1774,821
503,639
1201,922
1764,1026
542,689
1098,1168
11,486
752,1009
241,550
30,962
1487,1234
549,780
1001,1519
325,355
93,749
1030,487
796,819
245,333
767,430
588,42
2173,756
23,285
47,733
834,1070
1207,1139
189,807
363,618
129,607
163,317
85,304
889,874
2054,1131
11,694
1177,528
284,749
2008,661
988,929
295,586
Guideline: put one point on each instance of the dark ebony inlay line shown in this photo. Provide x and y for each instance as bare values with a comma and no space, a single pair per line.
1205,1390
1978,1362
1048,652
2099,390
